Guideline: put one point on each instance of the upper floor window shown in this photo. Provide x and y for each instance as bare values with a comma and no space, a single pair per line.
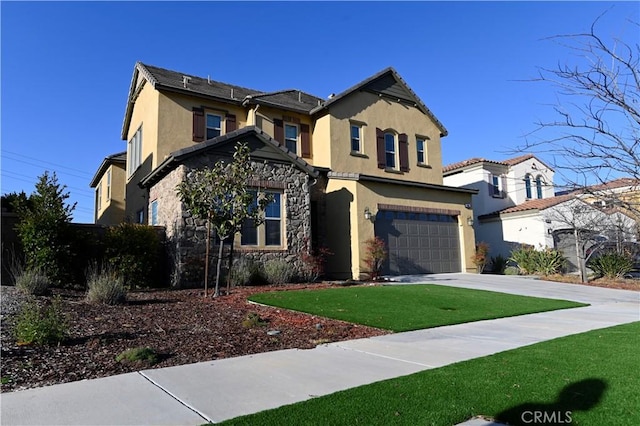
356,138
154,212
390,150
99,196
539,186
527,186
134,152
420,149
497,186
211,124
291,137
214,125
270,232
108,185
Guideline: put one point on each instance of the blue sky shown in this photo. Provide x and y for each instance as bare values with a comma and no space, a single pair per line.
66,67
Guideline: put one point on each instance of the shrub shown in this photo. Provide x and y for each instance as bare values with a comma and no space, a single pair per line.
33,282
246,271
139,354
375,255
44,230
41,325
105,286
480,257
252,320
133,250
313,263
511,270
498,264
611,265
278,271
532,261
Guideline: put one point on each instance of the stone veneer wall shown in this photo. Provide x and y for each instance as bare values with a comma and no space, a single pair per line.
186,236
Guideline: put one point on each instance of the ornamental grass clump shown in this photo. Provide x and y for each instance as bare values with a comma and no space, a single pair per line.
278,271
611,265
33,282
246,271
139,354
105,286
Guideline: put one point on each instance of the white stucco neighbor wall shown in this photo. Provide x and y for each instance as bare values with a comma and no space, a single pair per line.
534,168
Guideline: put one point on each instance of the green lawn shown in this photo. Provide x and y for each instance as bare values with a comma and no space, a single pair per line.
409,307
593,375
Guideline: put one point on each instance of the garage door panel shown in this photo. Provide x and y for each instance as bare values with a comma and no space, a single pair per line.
419,243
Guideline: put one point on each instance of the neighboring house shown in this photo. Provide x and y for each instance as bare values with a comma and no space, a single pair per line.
366,162
110,182
501,185
516,205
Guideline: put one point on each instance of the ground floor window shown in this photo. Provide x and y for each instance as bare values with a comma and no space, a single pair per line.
269,233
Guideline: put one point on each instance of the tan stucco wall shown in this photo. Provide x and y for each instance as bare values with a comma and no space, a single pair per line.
266,115
175,118
380,112
347,226
321,152
112,210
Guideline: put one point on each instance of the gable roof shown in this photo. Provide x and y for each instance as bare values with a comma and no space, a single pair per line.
613,184
291,99
508,162
178,157
119,158
387,83
531,205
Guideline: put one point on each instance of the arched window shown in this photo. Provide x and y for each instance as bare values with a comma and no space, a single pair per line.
539,186
527,186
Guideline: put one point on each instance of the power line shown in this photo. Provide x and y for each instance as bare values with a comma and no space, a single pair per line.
30,180
4,152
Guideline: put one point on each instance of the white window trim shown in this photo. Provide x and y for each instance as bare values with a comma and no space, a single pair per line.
528,189
153,220
222,122
360,127
261,241
297,140
395,150
424,161
134,152
108,197
99,197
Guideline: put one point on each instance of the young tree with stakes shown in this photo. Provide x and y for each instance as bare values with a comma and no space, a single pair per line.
220,196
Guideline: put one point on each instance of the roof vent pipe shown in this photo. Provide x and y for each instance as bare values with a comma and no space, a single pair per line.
208,80
232,93
185,80
299,96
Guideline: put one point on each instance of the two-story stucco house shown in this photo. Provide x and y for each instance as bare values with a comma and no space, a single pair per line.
364,163
506,190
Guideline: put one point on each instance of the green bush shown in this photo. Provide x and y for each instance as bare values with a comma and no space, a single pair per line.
252,320
511,270
33,282
45,232
543,262
246,271
41,325
611,265
278,271
139,354
498,264
133,250
105,286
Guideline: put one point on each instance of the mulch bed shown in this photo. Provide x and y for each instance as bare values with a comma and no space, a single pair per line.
181,325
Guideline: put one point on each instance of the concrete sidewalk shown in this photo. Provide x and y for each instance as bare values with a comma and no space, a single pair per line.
219,390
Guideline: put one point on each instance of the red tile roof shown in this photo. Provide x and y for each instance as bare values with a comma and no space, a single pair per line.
540,204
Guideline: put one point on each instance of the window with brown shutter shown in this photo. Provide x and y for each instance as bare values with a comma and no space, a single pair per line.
403,151
198,124
278,130
305,142
230,123
380,148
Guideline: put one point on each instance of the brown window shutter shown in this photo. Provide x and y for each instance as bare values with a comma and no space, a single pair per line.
380,148
403,148
305,142
198,125
230,124
278,131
